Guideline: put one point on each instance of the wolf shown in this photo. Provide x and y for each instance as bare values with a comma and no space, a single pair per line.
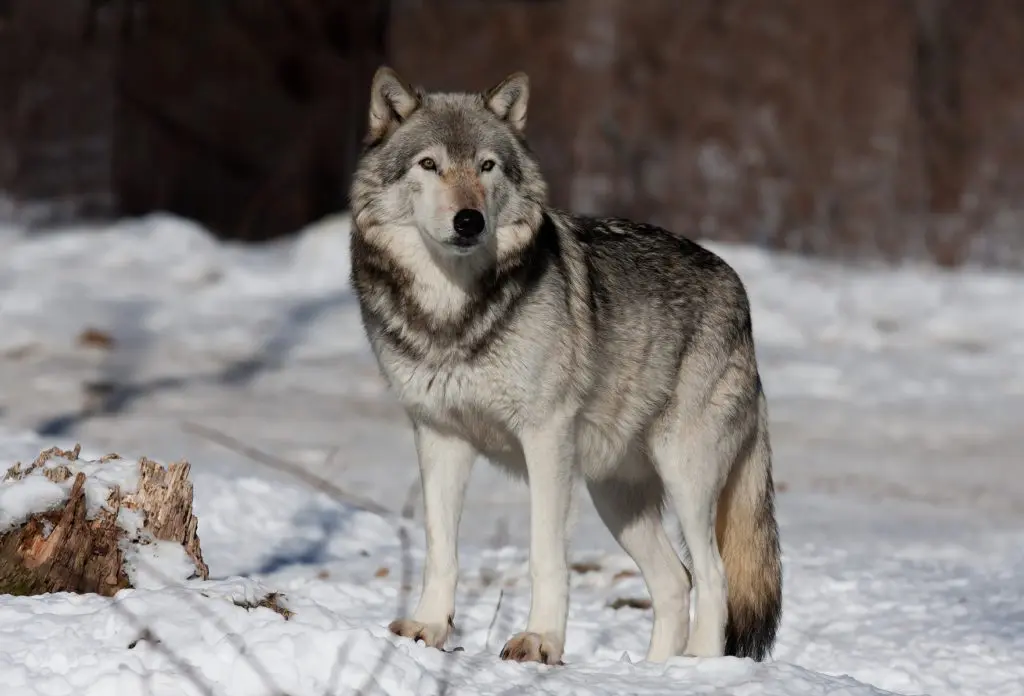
562,347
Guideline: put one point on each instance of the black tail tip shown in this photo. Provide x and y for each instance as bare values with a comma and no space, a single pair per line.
750,631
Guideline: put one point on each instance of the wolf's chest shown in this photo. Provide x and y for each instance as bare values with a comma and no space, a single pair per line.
474,402
449,393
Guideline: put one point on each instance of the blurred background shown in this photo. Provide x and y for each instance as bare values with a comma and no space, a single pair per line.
173,237
888,129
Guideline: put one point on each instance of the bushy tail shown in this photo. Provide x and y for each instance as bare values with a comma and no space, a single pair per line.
748,539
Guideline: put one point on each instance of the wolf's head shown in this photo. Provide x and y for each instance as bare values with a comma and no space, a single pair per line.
453,167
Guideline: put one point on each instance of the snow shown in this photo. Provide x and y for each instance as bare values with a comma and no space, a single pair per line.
895,397
38,494
27,489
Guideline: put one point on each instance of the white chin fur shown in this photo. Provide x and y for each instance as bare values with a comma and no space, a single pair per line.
462,250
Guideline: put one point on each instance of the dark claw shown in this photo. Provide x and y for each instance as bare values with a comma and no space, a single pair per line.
518,654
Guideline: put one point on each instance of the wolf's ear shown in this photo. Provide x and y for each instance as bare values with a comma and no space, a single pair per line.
508,100
392,101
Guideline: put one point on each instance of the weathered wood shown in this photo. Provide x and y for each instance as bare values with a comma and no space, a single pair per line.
65,550
165,499
62,551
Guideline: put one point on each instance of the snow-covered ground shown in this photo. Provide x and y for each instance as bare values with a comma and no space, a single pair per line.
896,397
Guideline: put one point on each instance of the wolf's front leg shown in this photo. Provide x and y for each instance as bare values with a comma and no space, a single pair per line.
549,451
445,464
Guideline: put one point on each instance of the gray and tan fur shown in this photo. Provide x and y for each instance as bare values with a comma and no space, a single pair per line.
559,346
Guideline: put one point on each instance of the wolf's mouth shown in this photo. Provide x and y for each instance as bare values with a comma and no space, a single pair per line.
465,244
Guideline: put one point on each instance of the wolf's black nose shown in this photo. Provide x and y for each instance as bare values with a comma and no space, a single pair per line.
468,223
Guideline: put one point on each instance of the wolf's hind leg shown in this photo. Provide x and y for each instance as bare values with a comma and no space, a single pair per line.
445,464
632,513
694,447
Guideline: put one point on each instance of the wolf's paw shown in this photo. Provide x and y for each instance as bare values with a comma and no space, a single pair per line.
533,647
432,634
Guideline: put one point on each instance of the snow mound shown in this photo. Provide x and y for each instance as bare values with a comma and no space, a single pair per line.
228,639
307,586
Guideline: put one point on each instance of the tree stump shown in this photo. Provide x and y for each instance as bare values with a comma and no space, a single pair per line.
95,519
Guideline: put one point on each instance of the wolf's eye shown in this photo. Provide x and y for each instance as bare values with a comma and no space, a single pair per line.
487,165
428,164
